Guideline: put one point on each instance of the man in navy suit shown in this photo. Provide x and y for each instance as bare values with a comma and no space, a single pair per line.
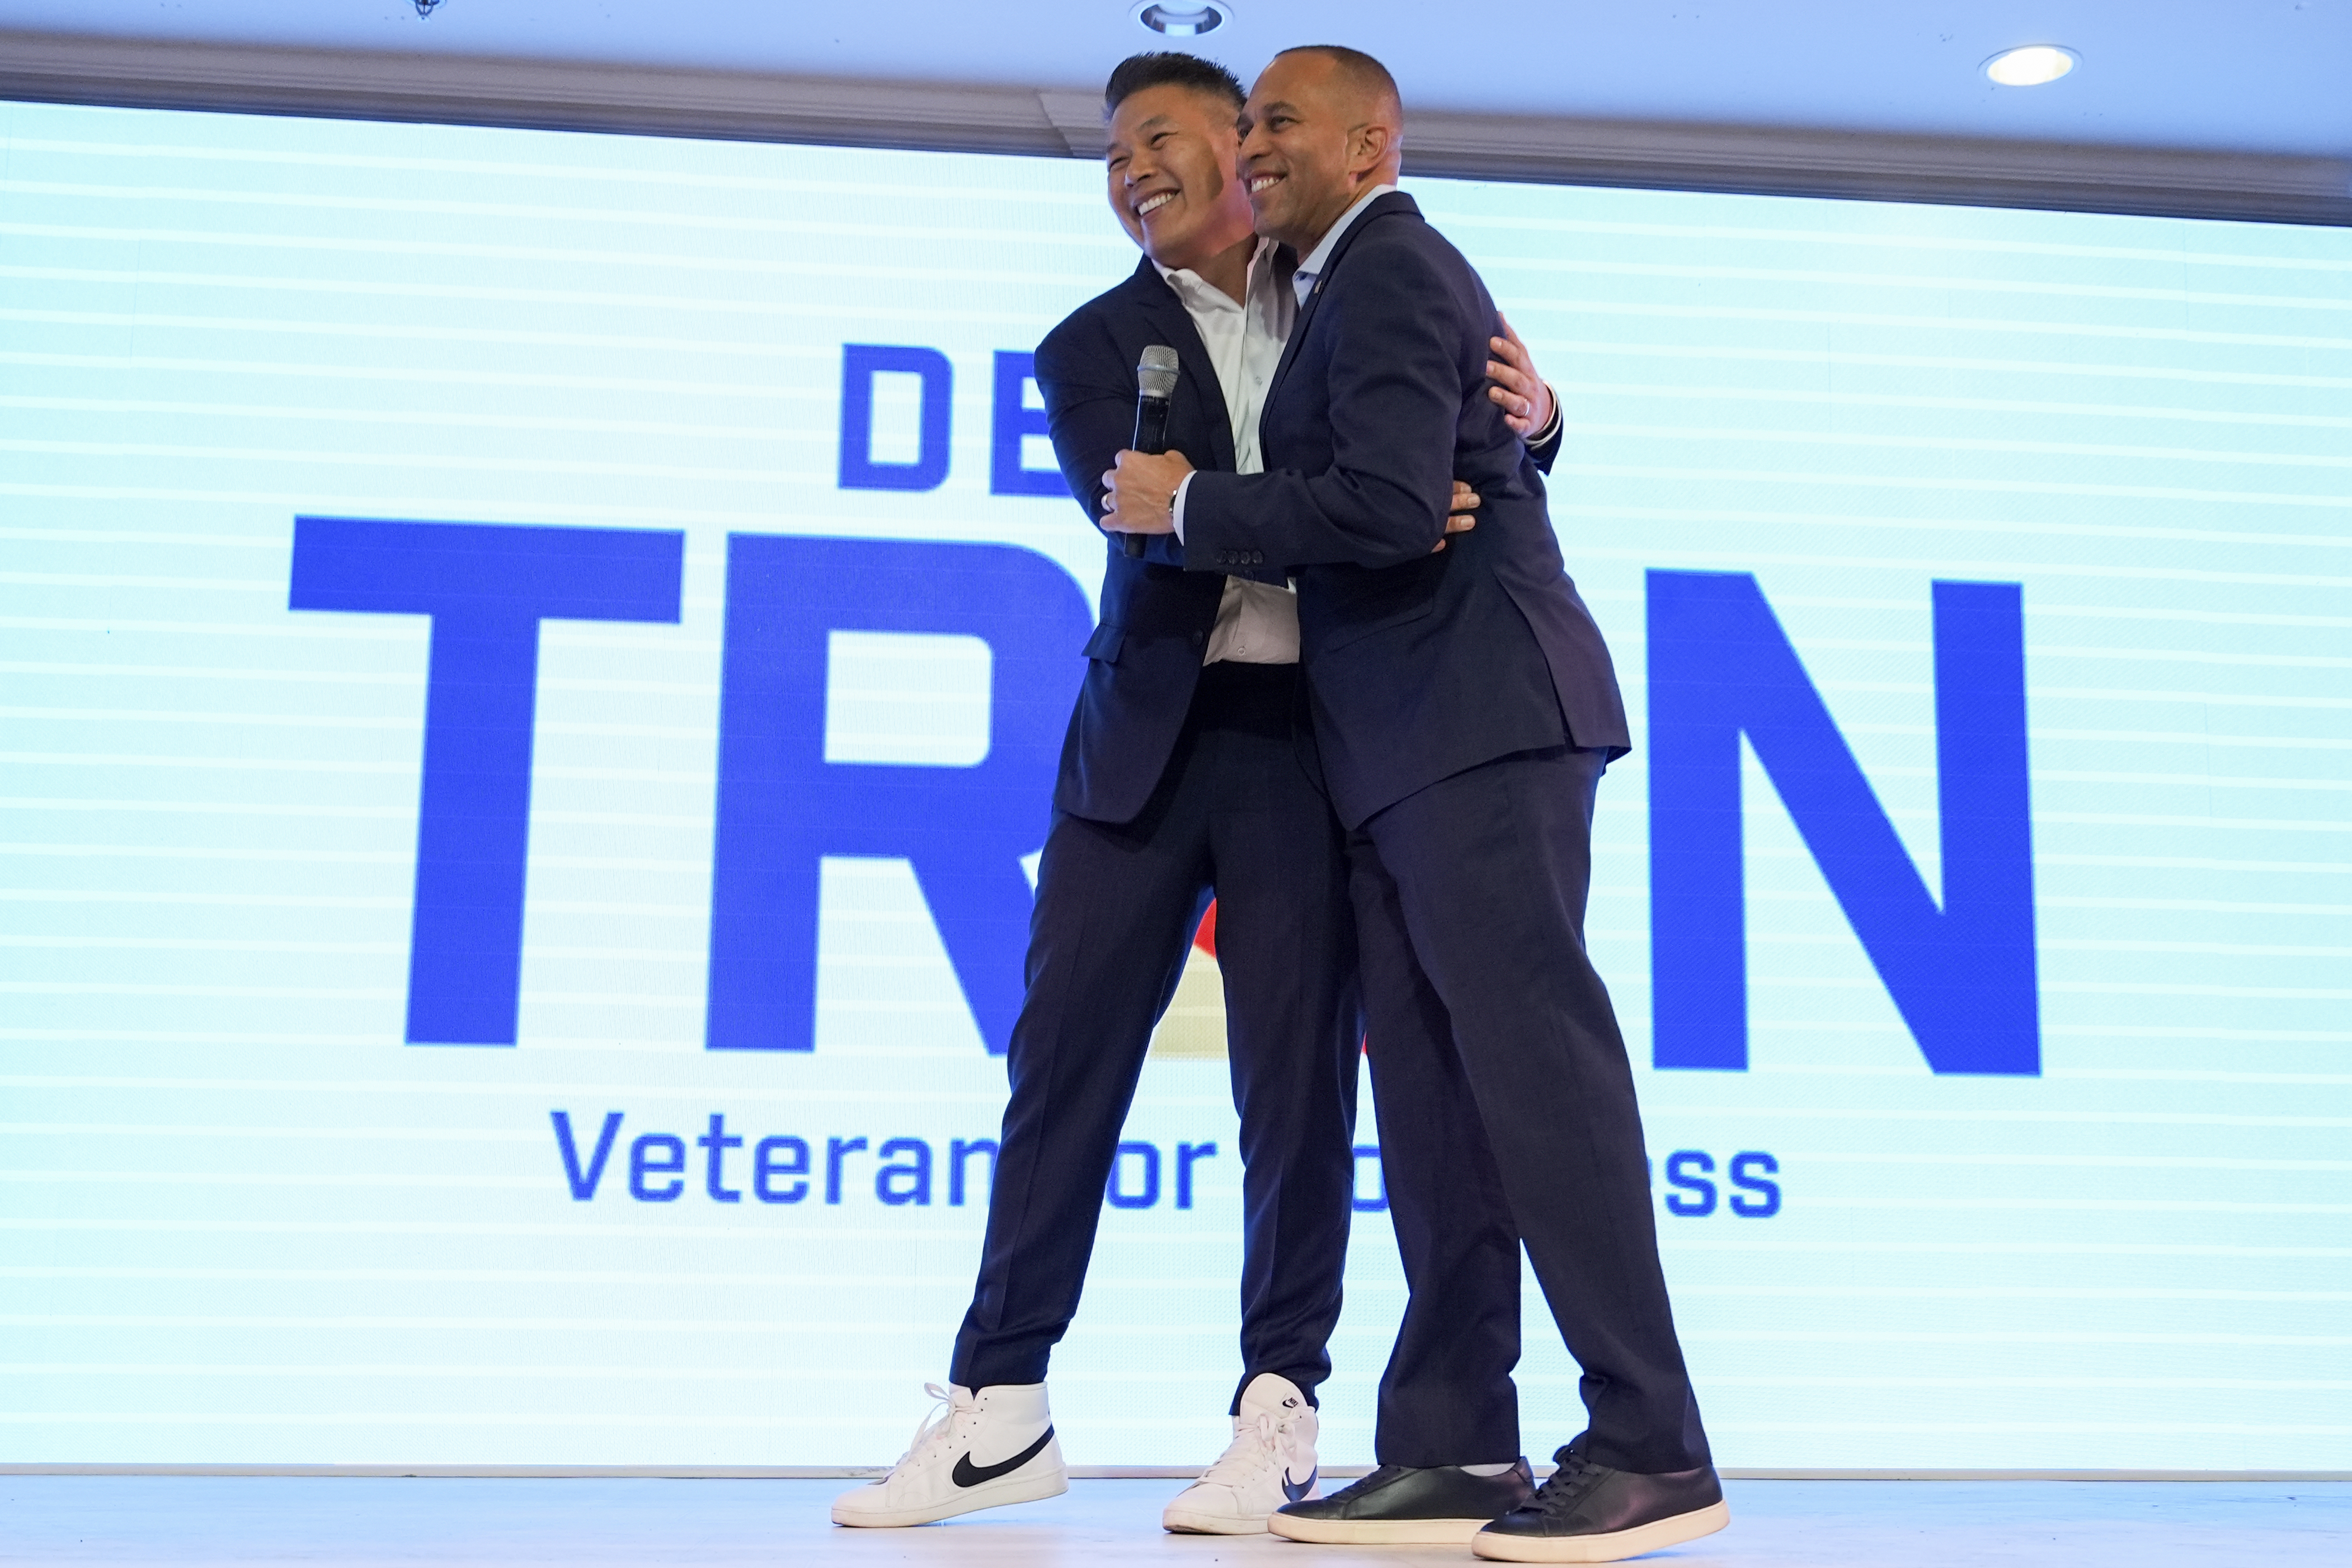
1181,778
1465,707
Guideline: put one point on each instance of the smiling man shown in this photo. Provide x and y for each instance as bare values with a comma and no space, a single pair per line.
1464,707
1182,778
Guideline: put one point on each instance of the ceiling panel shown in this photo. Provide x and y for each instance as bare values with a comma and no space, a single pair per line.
2263,75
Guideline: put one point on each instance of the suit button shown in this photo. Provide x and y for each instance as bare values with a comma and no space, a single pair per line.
1258,558
1199,638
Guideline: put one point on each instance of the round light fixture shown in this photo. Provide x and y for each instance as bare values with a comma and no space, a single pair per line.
2031,65
1183,18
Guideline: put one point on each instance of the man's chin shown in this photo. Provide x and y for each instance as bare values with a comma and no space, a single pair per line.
1161,244
1278,226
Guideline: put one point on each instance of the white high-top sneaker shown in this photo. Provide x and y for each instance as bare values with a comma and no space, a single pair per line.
983,1450
1270,1462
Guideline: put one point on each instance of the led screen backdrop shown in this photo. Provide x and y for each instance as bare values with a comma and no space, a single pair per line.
531,666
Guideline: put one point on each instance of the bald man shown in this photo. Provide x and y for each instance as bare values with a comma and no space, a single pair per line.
1464,707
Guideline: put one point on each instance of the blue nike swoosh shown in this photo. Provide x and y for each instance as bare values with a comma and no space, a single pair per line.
1297,1491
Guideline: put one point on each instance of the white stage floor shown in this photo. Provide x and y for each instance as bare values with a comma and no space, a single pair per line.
782,1524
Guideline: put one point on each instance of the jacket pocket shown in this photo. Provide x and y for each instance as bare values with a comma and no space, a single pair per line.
1105,643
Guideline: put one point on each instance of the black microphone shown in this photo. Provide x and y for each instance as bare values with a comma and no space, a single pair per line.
1155,389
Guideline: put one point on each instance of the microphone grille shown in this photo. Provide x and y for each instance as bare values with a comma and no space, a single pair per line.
1155,373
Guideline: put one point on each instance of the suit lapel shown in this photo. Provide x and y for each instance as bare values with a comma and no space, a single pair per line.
1197,380
1393,202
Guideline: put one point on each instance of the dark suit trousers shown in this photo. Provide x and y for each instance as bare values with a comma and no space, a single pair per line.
1235,814
1506,1115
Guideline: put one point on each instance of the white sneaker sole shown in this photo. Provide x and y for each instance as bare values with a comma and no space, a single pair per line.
1376,1531
1609,1547
992,1494
1185,1521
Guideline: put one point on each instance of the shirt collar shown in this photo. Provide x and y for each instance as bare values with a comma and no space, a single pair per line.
1316,260
1194,289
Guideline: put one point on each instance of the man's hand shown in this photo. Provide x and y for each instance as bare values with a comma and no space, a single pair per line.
1139,493
1464,502
1526,400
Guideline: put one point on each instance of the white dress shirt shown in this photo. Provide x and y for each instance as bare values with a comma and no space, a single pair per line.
1257,623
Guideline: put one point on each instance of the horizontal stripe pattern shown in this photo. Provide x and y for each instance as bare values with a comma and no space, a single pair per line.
248,1224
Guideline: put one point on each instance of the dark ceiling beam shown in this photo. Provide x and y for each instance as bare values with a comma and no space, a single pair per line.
1778,161
547,95
568,96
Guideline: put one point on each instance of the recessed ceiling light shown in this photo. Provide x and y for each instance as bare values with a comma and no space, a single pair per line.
2031,66
1183,18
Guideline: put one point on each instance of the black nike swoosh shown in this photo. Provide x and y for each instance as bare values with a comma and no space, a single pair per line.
1297,1491
967,1474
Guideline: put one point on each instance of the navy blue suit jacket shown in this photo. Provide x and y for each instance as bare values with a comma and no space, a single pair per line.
1418,665
1144,659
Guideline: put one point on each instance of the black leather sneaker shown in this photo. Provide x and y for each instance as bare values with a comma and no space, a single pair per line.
1586,1512
1398,1506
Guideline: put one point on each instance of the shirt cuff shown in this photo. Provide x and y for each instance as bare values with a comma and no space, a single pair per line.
1176,508
1551,426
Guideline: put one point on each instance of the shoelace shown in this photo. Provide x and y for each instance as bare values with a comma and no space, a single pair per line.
939,1422
1254,1446
1567,1486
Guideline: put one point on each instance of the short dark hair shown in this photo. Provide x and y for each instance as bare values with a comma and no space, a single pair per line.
1171,68
1361,71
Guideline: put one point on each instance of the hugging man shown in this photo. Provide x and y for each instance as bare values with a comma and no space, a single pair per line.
1464,707
1183,777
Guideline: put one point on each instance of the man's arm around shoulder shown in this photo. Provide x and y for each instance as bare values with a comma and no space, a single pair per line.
1393,389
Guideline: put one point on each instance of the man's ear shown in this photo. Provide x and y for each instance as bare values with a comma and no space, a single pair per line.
1372,145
